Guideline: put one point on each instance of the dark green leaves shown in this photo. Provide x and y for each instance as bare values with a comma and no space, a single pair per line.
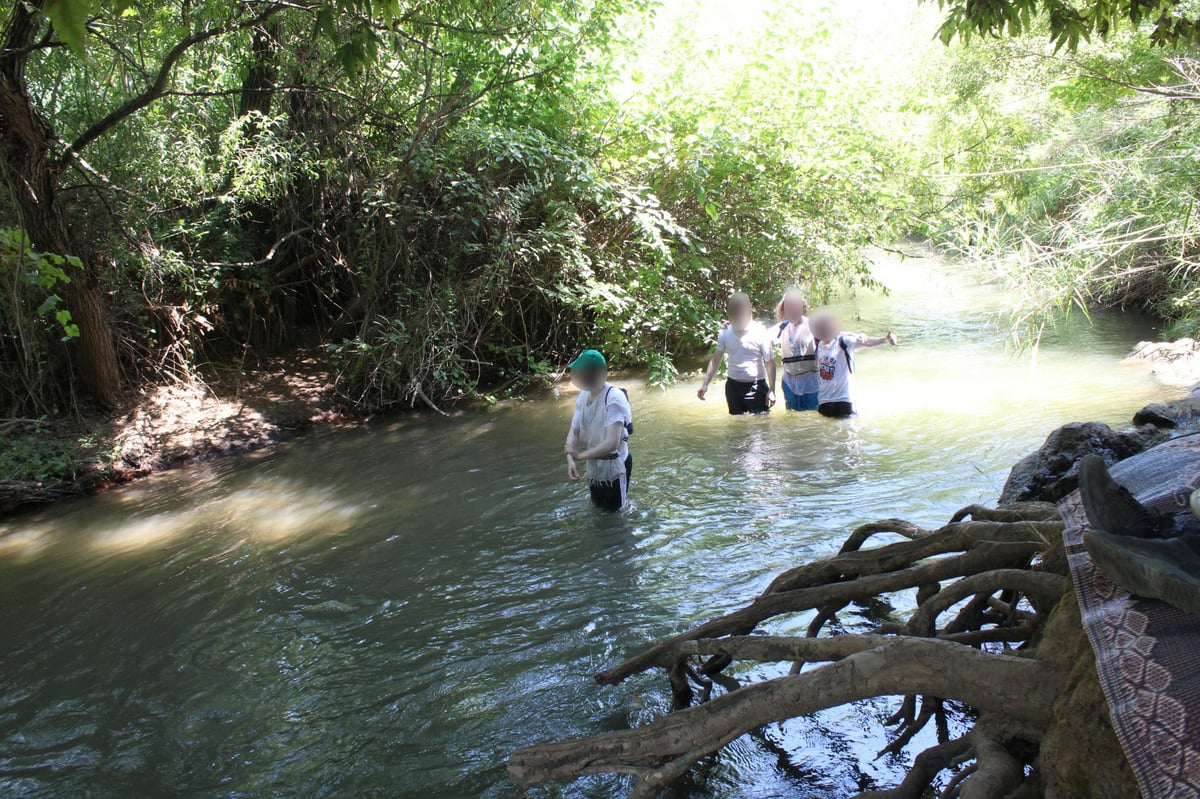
69,18
1170,21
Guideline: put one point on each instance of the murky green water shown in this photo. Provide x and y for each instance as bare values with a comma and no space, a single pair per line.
390,611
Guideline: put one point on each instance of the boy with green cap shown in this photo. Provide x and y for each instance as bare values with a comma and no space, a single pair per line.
599,434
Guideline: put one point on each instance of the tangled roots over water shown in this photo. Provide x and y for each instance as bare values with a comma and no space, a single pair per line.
1001,568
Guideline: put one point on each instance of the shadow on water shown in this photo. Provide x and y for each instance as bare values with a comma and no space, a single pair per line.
390,611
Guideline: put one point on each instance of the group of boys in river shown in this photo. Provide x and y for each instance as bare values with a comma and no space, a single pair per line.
818,366
1145,553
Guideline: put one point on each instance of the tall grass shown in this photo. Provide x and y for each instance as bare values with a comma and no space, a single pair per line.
1096,207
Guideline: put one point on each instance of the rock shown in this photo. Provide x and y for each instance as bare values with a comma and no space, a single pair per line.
1180,413
1175,363
1051,472
1080,756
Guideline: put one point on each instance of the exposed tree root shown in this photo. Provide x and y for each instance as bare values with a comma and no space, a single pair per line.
986,563
663,750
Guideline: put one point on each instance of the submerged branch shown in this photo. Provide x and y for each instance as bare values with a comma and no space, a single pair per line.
988,545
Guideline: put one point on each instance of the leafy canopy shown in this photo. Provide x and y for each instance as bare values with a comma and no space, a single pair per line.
1170,21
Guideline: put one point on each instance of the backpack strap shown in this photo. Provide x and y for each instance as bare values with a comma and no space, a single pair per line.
794,358
625,391
846,349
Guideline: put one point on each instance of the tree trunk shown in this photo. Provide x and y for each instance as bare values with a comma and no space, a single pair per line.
30,170
258,88
99,370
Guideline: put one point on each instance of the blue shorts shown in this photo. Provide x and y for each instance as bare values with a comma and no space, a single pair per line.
799,402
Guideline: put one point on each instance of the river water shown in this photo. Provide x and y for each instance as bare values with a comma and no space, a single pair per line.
391,610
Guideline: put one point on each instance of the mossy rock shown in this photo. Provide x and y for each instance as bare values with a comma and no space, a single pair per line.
1080,757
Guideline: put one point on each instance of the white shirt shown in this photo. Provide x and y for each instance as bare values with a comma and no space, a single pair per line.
593,417
796,339
748,353
833,368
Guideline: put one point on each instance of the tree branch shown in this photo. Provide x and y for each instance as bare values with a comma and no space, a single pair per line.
159,85
740,622
1043,588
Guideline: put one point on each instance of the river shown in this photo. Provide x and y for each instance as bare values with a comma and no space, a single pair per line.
391,610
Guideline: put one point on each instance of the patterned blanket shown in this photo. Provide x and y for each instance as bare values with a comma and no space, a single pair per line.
1147,652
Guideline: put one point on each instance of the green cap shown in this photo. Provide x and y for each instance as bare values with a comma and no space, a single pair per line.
588,359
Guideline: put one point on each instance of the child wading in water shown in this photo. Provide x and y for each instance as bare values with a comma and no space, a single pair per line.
798,352
599,434
751,361
835,363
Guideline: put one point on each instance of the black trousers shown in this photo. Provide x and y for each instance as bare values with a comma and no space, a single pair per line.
838,410
746,397
610,494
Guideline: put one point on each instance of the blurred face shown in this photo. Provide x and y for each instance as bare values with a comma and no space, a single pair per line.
588,379
739,310
794,307
825,327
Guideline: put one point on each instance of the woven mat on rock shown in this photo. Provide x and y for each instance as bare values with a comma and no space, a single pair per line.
1147,652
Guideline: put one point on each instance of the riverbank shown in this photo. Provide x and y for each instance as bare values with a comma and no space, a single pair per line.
233,409
227,410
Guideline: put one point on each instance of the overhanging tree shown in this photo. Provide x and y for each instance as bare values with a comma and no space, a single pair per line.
37,155
1169,21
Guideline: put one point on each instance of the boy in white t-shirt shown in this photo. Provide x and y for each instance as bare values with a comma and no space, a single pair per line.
599,434
750,377
835,363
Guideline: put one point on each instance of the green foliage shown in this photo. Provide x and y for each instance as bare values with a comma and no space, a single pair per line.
35,456
1170,21
456,196
34,321
69,18
1074,178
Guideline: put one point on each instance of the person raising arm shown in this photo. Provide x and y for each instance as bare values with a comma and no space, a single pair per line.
866,342
835,363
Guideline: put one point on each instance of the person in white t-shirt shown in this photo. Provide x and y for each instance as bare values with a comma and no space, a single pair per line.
835,363
797,352
599,434
750,376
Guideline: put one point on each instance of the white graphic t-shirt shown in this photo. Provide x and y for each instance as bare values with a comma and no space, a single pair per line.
835,368
748,352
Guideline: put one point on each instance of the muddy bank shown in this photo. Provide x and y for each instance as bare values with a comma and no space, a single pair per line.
226,411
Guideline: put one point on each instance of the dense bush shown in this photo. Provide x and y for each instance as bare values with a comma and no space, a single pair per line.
454,196
448,196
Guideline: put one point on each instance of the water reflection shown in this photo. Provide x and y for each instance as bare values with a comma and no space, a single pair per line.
265,511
